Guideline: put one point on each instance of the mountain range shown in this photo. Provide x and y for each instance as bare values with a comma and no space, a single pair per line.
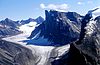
62,30
59,27
9,27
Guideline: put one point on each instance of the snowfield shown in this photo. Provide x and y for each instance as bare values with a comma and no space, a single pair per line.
42,51
28,28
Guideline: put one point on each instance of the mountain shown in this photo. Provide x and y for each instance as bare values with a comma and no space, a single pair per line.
22,22
88,51
73,40
75,18
38,20
8,23
4,32
15,54
59,27
64,28
9,27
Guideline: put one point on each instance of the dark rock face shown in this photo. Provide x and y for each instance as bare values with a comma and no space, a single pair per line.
91,44
76,18
87,52
15,54
58,28
73,57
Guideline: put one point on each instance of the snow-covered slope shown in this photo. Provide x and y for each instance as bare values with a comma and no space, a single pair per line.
42,51
27,28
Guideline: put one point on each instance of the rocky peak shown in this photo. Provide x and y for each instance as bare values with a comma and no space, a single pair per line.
39,20
88,51
7,19
57,28
9,23
22,22
8,28
30,19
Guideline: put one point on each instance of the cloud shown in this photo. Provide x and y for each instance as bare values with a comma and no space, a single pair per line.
83,2
42,6
89,2
79,3
60,7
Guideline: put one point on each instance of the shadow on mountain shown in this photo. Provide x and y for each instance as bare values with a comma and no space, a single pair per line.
40,42
59,28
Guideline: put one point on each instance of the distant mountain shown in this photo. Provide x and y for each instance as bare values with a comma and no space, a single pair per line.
8,32
8,23
9,27
22,22
39,20
59,27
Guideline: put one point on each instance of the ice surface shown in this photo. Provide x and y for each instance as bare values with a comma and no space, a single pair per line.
42,51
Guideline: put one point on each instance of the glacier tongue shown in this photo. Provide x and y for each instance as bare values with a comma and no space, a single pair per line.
42,51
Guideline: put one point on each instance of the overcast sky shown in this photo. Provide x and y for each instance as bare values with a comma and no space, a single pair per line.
24,9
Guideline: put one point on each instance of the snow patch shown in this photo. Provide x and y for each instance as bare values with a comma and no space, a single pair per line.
90,27
28,28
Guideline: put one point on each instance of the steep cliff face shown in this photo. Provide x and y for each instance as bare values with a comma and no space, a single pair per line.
87,52
90,46
15,54
59,27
